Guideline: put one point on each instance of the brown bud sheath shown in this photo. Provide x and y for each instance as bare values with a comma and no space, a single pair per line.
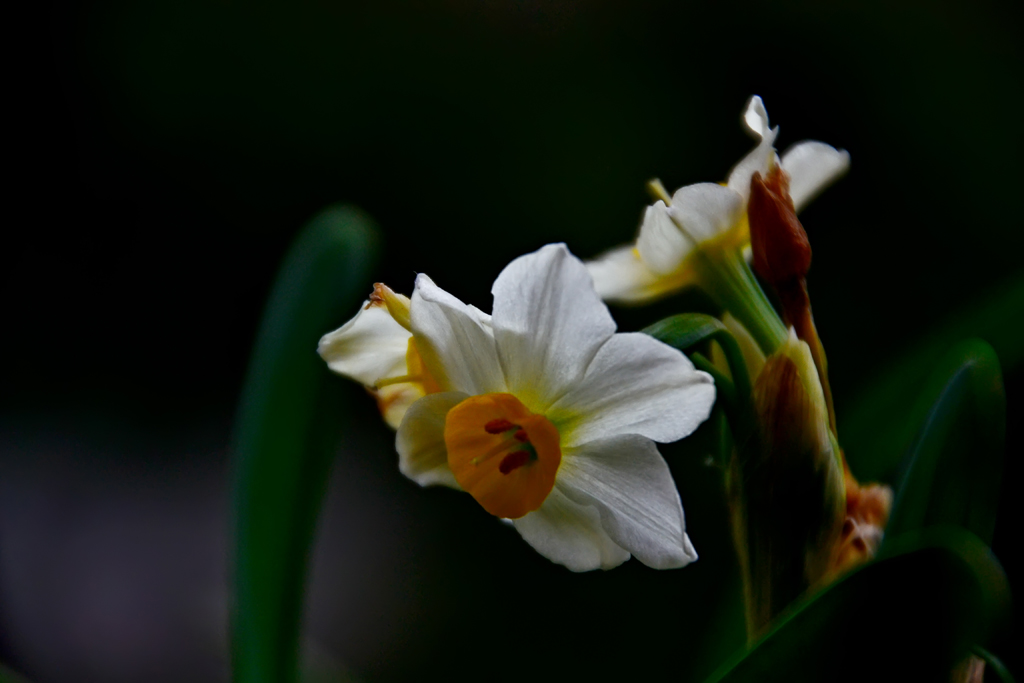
782,257
787,494
781,249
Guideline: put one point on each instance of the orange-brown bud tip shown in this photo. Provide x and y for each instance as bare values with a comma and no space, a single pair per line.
781,249
397,304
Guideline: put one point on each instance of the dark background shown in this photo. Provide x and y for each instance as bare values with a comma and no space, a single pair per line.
164,154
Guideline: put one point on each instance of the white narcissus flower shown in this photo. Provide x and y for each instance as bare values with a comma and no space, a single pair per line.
548,417
376,348
710,215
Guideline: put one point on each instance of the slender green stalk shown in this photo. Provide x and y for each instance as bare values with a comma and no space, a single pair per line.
727,277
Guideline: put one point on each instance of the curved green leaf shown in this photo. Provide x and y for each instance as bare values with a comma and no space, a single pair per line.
686,329
994,665
909,616
880,425
288,423
953,470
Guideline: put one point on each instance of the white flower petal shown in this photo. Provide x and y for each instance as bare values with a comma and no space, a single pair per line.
636,385
369,347
705,210
570,534
812,166
394,399
422,455
455,344
619,275
761,159
755,117
548,323
629,481
662,245
483,318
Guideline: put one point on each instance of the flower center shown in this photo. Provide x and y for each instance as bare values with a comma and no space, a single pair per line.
505,456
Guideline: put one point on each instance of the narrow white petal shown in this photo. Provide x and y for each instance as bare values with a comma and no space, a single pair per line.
662,245
456,345
755,117
636,385
619,275
570,534
761,159
369,347
705,210
422,455
629,481
548,323
812,166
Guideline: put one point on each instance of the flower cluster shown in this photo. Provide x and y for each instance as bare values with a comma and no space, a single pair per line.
548,417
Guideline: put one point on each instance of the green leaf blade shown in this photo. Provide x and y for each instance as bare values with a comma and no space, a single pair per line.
953,470
287,426
909,616
686,329
880,425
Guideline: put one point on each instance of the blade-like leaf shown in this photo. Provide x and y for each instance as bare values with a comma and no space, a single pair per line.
880,425
952,473
686,329
909,616
288,422
994,666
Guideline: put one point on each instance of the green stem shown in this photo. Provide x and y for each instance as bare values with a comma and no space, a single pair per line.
724,273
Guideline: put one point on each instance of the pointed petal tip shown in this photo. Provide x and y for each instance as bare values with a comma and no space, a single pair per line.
755,117
423,280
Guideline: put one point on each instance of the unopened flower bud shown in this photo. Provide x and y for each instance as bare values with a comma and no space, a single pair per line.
793,496
777,238
790,405
782,257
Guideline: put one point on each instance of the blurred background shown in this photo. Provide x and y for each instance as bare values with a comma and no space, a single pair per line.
166,153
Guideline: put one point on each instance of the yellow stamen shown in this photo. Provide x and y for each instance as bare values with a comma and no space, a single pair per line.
658,191
396,394
416,368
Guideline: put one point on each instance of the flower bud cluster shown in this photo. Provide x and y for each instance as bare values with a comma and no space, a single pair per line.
548,417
